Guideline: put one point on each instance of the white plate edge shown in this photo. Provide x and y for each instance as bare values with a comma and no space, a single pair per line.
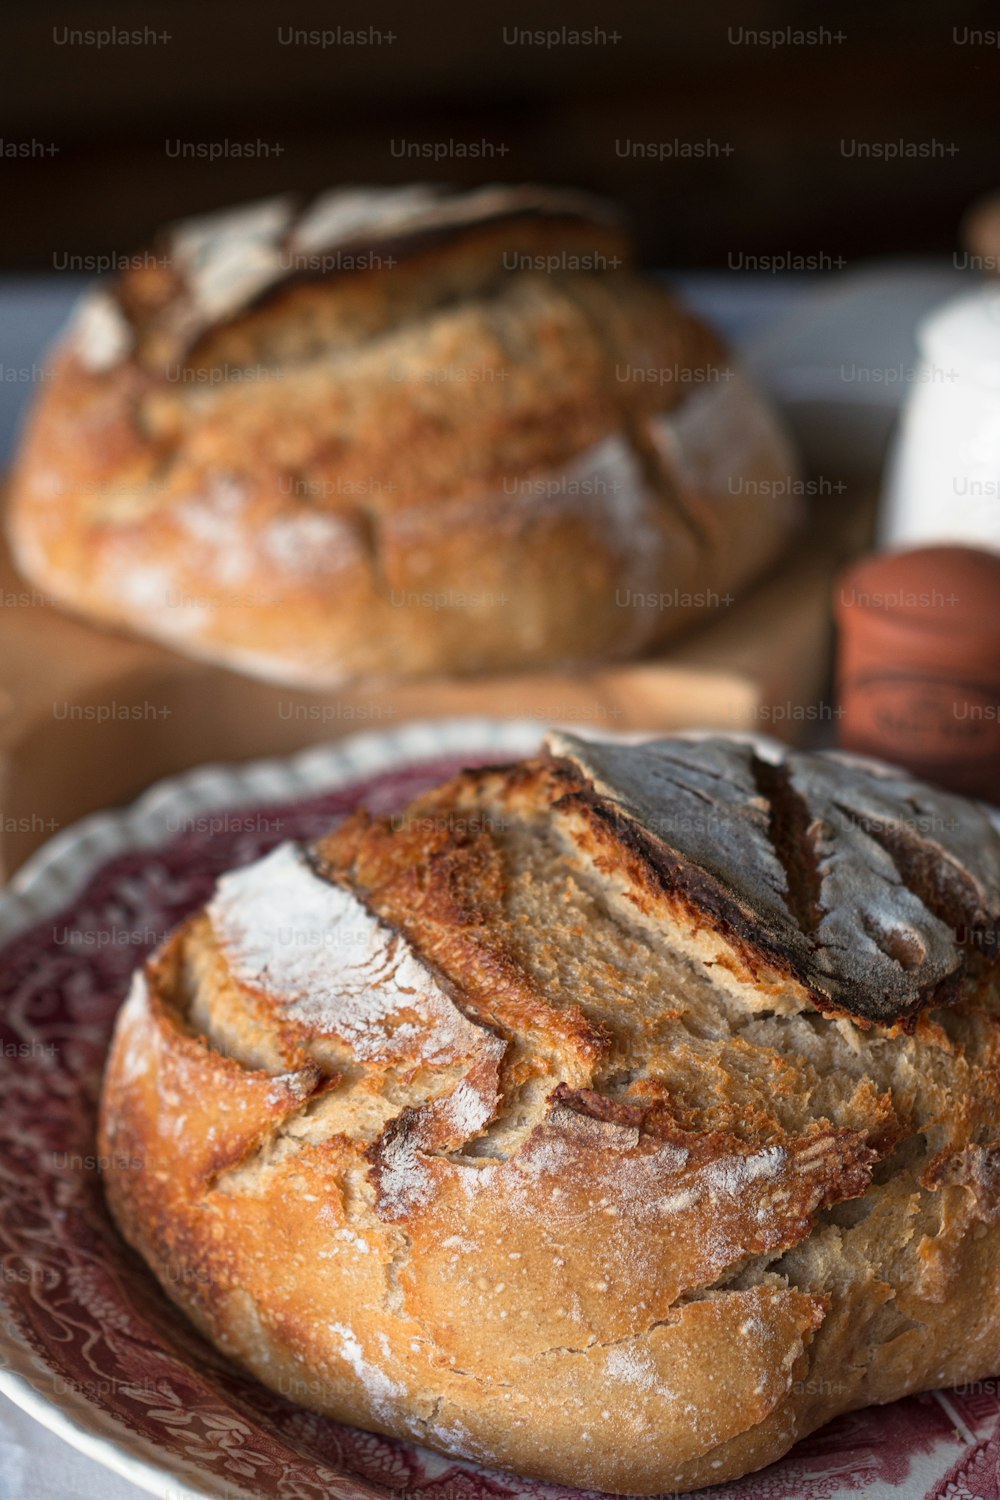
37,890
110,1451
72,854
142,823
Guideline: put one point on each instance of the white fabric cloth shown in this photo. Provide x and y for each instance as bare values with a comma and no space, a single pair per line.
37,1465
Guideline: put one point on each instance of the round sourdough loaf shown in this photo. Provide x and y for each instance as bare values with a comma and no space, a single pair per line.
616,1117
393,433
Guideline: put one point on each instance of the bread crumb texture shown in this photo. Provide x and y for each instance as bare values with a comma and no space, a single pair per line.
617,1117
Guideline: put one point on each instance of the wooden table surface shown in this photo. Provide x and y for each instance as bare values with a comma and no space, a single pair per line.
89,718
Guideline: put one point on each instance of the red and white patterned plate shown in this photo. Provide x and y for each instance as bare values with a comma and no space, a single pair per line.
90,1346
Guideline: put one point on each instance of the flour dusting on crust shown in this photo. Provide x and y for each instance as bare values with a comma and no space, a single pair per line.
101,334
317,953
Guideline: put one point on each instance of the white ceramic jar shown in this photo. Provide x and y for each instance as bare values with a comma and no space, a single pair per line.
943,481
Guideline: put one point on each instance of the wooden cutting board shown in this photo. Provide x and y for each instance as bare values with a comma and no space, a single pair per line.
88,718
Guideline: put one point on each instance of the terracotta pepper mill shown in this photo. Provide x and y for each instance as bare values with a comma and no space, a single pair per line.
918,672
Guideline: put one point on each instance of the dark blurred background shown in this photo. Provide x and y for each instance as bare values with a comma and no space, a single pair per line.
103,142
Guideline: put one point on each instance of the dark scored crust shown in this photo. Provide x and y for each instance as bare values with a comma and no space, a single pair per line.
866,886
499,1125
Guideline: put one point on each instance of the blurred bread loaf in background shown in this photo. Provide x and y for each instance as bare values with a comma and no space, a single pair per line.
395,433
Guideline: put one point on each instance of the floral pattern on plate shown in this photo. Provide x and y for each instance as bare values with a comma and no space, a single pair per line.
94,1346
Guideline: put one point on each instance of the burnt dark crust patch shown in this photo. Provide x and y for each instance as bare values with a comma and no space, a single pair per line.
855,882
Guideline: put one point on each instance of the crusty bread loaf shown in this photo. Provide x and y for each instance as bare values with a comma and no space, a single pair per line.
397,433
616,1117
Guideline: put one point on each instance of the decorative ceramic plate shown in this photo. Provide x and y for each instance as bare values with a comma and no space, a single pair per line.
91,1347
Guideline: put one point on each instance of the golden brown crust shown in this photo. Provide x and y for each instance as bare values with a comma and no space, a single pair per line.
487,445
453,1130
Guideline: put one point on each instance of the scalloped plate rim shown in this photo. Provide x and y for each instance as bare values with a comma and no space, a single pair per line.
57,871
